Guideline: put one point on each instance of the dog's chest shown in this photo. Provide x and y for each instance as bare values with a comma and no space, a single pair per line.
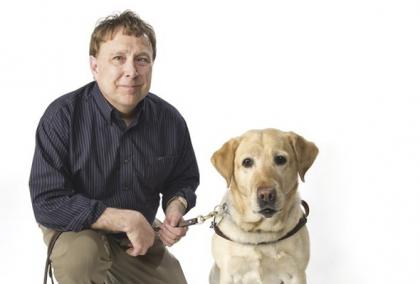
260,264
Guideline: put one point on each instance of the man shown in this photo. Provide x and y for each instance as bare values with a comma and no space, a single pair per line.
104,155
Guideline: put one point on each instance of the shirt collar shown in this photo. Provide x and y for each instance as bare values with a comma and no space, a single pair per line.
107,109
104,107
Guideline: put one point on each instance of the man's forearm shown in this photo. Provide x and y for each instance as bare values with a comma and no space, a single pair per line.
115,220
118,220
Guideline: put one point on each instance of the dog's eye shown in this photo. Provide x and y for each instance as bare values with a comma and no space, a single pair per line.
280,160
247,162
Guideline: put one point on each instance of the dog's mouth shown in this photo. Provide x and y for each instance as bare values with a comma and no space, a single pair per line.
268,212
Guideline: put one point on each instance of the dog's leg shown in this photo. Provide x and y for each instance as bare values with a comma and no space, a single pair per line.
225,278
214,277
219,277
299,278
251,278
289,272
296,278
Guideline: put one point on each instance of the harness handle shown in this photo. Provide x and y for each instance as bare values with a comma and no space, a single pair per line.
48,267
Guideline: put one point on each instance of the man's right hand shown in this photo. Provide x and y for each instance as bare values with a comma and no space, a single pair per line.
133,223
140,234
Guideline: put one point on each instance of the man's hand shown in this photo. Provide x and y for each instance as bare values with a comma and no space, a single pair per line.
169,232
140,234
133,223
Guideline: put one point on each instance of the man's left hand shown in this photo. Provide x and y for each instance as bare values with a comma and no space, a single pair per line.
169,232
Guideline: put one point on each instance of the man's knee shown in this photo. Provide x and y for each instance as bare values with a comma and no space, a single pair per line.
82,255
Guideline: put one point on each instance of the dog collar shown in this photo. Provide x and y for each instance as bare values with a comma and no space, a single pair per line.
299,225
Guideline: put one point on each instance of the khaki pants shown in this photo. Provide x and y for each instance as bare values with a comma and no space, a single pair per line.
91,256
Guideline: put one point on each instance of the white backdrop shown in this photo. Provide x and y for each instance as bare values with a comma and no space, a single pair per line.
344,74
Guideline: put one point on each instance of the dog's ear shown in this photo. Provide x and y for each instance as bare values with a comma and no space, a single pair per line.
223,159
305,152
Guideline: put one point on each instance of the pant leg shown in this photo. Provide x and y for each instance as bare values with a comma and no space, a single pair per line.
79,257
93,257
158,266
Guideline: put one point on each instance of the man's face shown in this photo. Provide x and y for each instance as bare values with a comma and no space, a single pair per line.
123,70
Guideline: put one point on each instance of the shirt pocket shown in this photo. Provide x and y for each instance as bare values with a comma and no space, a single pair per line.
158,170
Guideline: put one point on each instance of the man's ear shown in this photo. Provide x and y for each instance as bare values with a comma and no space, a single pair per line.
93,66
305,152
223,159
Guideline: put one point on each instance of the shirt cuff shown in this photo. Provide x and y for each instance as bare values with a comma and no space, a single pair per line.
181,199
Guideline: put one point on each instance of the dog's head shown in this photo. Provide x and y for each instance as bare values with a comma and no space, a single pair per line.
261,168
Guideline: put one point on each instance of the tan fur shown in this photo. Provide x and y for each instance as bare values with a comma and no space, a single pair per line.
223,159
280,262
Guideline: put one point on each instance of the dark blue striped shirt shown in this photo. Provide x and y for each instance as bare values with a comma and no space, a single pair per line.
87,159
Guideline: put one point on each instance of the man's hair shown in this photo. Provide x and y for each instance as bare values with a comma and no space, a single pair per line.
128,22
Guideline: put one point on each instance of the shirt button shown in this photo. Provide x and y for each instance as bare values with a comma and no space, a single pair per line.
125,161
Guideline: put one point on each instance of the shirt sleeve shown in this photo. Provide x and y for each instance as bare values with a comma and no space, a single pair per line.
56,203
184,178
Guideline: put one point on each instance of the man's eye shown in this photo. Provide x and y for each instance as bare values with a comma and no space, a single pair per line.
118,58
143,60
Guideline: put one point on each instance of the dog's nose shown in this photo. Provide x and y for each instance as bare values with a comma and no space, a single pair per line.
266,196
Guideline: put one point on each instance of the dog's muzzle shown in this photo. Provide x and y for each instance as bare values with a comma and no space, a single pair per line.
266,198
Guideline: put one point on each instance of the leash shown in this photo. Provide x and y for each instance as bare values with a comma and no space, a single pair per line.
48,267
302,222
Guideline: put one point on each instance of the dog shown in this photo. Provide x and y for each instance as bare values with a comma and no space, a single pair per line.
261,237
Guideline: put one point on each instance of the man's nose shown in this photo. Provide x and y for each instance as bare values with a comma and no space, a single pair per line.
266,196
130,69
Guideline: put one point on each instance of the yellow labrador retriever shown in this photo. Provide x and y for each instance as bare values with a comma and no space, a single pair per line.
261,235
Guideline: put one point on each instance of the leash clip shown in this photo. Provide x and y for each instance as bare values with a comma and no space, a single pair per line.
219,210
200,219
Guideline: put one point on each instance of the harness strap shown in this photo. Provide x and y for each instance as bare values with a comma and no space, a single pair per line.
48,267
299,225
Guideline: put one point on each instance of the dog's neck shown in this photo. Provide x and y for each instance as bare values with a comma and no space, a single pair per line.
231,229
237,222
261,238
250,222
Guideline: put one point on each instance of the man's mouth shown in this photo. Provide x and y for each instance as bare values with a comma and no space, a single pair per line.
130,86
